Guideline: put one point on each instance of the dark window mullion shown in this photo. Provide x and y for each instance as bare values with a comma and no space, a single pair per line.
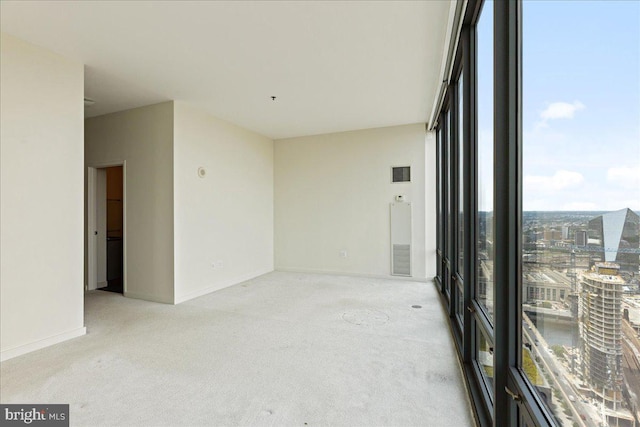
445,204
475,318
507,207
454,194
470,201
530,406
451,159
439,223
447,155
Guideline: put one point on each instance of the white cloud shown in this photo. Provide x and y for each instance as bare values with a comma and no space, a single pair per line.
558,110
561,110
561,180
625,177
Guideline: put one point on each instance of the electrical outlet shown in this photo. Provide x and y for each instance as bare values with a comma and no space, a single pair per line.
343,253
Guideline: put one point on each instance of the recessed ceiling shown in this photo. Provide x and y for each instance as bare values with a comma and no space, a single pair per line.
333,66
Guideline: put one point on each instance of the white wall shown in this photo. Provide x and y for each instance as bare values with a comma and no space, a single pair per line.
143,138
332,194
41,193
224,221
430,206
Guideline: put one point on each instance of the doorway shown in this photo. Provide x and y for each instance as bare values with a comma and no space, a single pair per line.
114,226
106,228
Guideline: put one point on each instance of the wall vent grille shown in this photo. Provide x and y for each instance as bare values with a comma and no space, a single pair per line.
401,174
401,239
402,260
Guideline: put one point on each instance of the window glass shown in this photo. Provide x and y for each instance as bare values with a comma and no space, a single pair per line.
484,357
484,229
448,201
460,303
581,198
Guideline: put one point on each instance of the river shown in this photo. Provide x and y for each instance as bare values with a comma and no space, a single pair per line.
558,333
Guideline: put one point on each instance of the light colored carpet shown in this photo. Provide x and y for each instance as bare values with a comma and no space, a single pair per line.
284,349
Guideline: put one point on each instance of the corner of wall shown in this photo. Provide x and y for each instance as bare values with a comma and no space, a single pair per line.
332,197
42,263
223,203
143,138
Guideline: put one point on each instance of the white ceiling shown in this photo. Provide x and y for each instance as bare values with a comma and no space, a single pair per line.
333,66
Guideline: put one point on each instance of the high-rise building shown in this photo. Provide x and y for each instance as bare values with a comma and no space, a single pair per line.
601,331
617,234
581,238
552,234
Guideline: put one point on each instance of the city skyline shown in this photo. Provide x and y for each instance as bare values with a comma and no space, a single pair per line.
581,351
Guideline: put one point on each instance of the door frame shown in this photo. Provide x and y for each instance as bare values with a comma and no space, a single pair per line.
92,220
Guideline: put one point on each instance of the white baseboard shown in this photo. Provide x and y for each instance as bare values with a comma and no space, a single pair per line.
146,297
220,285
342,273
99,285
37,345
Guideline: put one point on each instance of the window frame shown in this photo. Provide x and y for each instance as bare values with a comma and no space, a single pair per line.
446,202
512,393
439,210
457,276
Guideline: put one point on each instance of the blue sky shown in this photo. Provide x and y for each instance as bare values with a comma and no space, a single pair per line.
581,105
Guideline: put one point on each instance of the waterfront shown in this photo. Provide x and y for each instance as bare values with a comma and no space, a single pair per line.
559,333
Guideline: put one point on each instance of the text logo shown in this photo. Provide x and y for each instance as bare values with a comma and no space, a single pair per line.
34,415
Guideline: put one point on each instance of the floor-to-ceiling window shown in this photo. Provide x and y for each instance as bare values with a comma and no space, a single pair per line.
483,158
580,167
460,190
538,200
